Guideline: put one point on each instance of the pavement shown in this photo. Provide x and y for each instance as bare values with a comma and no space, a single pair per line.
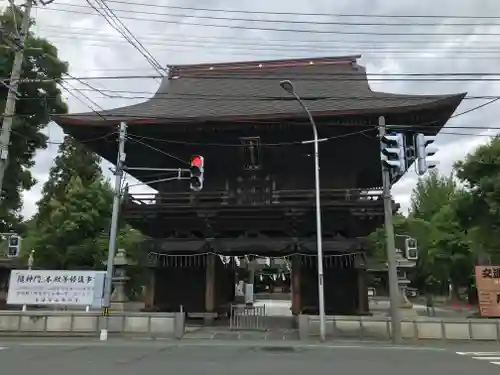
379,307
127,357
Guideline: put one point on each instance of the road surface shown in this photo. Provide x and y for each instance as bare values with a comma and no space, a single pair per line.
132,357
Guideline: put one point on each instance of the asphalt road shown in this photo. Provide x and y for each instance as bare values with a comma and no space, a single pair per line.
76,357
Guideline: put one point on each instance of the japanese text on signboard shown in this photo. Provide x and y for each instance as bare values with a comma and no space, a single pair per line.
42,287
48,279
490,273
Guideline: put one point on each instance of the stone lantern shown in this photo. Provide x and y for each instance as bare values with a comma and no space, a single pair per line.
119,299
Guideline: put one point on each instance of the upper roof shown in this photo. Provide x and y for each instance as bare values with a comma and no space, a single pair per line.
250,90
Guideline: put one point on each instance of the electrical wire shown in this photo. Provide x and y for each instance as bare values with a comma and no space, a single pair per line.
345,49
287,21
119,26
274,29
134,139
340,77
260,144
126,94
259,40
187,143
83,141
82,101
317,14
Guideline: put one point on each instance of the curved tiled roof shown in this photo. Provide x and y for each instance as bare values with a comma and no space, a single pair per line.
251,90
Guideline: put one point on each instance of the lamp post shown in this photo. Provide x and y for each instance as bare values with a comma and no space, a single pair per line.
288,87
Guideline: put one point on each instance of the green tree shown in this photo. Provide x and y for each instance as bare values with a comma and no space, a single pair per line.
430,194
37,101
73,159
479,211
450,253
68,237
433,222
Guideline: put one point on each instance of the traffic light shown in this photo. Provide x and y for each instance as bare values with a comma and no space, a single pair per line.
394,152
196,171
423,151
14,246
411,249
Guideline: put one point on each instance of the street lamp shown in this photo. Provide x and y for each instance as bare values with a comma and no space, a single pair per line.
288,87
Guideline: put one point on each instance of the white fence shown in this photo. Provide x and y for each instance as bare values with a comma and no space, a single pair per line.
70,323
379,328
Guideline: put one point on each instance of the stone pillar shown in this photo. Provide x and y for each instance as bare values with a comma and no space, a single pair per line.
149,297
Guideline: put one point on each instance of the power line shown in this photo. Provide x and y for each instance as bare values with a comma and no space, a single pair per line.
279,43
119,26
287,21
139,141
126,94
307,31
294,41
324,14
106,40
296,143
436,77
84,140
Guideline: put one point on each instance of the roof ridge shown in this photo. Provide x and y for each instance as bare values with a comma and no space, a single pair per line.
259,64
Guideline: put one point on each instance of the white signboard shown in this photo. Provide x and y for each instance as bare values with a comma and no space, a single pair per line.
44,287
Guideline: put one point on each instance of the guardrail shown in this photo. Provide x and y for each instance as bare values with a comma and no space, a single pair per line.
423,328
76,323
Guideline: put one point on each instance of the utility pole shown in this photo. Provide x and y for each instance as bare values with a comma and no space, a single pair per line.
10,105
108,285
390,246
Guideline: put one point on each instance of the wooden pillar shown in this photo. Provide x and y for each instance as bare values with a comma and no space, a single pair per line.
295,284
362,287
210,284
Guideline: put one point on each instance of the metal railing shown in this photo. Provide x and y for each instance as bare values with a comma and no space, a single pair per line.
244,317
276,197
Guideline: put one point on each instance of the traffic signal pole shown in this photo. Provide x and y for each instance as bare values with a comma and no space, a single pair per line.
10,105
391,247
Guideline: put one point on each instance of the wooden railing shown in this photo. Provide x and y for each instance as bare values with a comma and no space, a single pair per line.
278,197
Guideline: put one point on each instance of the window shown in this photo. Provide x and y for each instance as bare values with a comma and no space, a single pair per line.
251,153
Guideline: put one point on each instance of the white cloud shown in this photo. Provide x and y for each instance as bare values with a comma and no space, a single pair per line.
93,48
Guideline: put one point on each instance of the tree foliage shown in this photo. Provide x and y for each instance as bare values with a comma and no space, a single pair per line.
430,194
37,101
73,159
67,237
479,210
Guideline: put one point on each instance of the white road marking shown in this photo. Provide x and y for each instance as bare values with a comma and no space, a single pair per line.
492,357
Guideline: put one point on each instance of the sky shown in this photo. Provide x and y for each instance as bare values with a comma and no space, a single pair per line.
179,36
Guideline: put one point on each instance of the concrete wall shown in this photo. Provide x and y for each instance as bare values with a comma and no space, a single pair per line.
76,323
379,328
